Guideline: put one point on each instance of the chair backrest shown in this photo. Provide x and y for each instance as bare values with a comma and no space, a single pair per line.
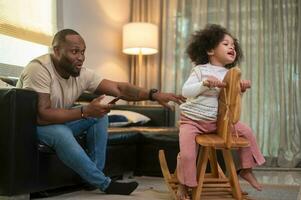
229,105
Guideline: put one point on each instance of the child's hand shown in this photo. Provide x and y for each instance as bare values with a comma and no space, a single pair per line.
244,85
212,81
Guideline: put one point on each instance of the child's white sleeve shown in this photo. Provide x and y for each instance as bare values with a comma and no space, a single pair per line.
193,87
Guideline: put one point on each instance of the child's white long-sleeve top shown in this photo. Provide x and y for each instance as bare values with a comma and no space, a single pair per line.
202,102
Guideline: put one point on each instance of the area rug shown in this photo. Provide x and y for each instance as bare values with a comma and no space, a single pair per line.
153,188
273,192
270,192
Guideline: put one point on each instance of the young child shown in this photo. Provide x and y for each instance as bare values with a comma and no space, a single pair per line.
213,50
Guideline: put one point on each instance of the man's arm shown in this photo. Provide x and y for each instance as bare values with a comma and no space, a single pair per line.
48,115
131,92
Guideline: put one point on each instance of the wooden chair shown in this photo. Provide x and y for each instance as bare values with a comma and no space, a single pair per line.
170,179
215,184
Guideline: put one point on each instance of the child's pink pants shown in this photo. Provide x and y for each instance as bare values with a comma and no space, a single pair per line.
186,167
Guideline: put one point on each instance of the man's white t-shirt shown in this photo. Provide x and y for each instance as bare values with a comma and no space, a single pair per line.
41,76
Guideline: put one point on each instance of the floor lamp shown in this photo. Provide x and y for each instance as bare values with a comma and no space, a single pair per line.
140,38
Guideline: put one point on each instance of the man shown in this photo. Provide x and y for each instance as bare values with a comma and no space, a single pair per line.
59,79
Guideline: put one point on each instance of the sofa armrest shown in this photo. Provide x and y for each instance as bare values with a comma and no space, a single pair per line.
18,142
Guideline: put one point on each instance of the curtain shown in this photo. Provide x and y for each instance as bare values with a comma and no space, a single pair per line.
269,33
149,76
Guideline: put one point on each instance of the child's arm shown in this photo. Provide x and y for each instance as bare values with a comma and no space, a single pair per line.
194,86
212,81
244,85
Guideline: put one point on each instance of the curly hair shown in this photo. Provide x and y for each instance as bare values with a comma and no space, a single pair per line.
207,39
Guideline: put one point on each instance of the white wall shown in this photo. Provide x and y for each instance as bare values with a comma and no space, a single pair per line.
100,24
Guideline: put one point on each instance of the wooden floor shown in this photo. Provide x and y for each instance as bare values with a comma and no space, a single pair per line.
278,185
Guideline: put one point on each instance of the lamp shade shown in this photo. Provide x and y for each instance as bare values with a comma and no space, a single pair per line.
140,37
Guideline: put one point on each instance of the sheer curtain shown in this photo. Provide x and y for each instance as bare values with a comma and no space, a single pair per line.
269,33
148,76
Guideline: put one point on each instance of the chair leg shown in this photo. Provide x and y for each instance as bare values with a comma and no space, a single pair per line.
216,170
221,172
201,168
213,162
236,191
170,181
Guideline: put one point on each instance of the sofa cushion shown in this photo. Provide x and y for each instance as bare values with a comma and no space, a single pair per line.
148,149
159,116
125,137
118,120
132,117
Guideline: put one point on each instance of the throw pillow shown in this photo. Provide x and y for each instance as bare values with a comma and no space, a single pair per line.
132,117
118,121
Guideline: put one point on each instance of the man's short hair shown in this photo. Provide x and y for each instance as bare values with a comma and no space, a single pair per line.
60,37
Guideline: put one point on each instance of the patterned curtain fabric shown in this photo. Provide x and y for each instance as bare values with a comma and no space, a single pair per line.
269,33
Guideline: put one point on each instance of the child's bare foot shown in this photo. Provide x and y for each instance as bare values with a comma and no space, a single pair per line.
182,192
248,175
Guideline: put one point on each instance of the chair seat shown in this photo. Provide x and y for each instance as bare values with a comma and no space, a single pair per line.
214,140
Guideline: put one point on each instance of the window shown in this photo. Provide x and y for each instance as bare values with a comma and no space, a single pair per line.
26,30
19,52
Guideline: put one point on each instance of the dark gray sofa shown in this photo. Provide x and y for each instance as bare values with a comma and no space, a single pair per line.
27,166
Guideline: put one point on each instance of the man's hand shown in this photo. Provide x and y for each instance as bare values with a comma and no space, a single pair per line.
244,85
96,109
130,92
163,98
212,81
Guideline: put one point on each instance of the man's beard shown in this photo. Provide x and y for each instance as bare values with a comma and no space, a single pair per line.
73,71
69,68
